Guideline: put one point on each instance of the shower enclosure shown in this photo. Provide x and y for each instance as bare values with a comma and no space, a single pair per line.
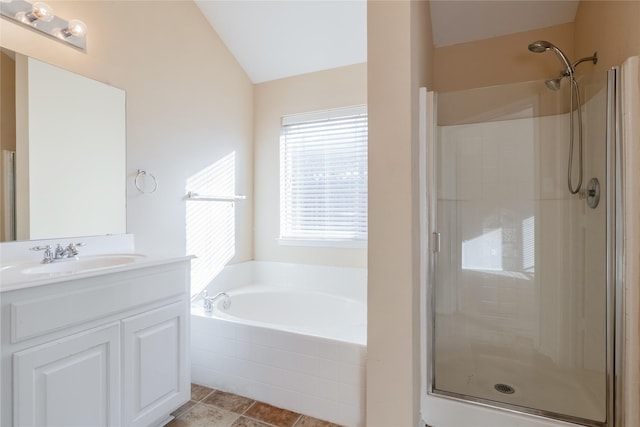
523,289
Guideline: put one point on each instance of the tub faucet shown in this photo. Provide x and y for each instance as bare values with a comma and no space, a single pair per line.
209,301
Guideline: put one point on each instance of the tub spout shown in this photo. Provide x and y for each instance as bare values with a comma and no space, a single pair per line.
210,301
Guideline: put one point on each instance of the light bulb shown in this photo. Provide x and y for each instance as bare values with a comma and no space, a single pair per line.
76,28
39,12
24,17
42,11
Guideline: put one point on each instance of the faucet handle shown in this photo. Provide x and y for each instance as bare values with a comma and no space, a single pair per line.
73,247
46,248
48,256
207,301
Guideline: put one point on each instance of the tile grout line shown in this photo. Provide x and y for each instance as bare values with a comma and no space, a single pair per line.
297,421
265,422
259,421
195,403
201,403
243,413
207,395
248,407
239,414
175,417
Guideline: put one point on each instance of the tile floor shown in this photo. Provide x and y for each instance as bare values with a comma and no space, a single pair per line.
215,408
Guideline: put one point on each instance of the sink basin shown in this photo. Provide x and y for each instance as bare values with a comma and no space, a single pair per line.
88,263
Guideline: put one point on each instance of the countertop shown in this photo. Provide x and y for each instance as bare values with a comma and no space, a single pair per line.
13,278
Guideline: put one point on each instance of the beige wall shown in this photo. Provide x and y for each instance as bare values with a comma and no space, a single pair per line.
340,87
500,60
612,28
189,104
399,43
608,27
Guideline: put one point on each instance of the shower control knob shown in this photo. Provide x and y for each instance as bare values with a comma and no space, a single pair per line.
592,193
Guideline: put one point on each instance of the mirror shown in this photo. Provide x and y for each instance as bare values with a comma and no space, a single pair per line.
63,143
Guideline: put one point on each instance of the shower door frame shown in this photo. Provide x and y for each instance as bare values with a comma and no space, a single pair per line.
614,282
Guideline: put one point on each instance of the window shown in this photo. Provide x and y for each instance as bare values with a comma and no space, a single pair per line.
323,177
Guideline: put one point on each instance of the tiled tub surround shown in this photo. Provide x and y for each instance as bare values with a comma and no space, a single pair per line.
318,371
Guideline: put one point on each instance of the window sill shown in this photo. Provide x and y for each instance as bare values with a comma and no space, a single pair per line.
356,244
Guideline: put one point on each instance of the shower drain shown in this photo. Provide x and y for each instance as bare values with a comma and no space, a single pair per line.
504,388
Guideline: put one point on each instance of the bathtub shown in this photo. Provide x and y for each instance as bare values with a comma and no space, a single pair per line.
294,336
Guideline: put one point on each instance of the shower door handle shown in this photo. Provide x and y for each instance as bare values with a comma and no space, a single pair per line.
435,242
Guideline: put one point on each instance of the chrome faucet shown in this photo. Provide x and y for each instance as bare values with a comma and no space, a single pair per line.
59,253
209,301
72,249
48,255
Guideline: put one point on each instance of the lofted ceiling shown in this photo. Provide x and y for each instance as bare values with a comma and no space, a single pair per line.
273,39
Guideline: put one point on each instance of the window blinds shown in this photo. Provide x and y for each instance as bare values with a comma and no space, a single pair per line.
323,175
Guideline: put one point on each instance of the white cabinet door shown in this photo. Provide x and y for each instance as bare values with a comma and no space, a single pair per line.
156,372
73,381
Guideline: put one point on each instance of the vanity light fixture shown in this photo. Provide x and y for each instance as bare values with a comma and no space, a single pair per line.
39,11
39,16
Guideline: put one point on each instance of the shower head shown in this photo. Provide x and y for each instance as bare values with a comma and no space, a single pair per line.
543,46
540,46
553,84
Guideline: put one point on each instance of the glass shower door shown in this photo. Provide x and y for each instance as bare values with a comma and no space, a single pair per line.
520,296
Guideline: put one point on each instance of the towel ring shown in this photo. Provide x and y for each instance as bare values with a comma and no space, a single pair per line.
142,173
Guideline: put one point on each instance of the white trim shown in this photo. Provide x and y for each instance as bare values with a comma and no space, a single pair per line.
323,243
426,164
324,114
630,93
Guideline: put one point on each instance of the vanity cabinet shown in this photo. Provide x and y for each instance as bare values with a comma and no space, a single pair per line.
154,344
81,371
106,350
